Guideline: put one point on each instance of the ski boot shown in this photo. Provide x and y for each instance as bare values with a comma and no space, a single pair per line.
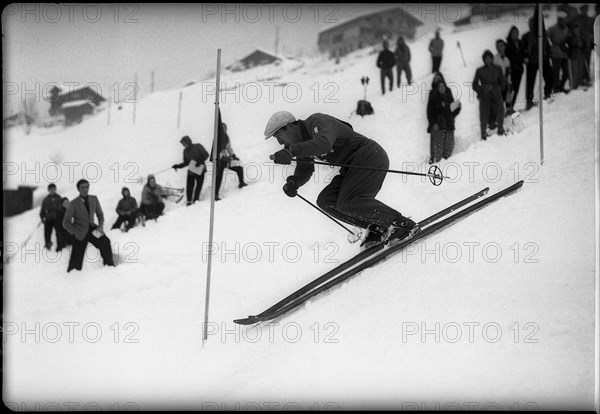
375,235
400,230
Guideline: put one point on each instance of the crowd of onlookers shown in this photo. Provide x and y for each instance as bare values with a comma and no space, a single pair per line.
74,223
567,47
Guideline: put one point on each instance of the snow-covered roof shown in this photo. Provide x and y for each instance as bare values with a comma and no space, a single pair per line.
77,103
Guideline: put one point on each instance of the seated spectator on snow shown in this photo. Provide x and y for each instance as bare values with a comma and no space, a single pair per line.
127,211
441,111
151,205
63,238
79,221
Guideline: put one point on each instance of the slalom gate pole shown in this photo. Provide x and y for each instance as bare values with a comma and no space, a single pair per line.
355,235
212,199
434,173
540,27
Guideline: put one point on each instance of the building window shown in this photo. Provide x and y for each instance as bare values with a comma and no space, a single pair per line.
338,38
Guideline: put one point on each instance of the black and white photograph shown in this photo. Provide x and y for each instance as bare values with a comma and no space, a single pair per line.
300,206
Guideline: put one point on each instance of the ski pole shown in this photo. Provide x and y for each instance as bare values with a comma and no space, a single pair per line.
141,179
352,237
434,173
461,53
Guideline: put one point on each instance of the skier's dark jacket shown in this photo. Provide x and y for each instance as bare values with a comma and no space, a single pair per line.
386,59
194,152
438,109
327,138
50,207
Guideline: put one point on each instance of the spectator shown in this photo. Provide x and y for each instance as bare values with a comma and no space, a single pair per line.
385,62
127,210
65,238
227,159
49,216
436,48
514,52
586,24
403,60
530,49
79,221
558,36
151,205
441,112
576,55
194,156
500,59
489,82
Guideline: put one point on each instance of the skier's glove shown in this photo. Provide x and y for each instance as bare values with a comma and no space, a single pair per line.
283,156
290,188
175,166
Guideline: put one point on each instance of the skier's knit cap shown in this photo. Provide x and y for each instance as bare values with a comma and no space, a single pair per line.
150,176
123,191
277,121
487,53
186,140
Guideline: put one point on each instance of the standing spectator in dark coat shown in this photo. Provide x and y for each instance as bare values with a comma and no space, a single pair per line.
514,52
576,55
194,156
79,221
350,197
49,216
586,24
441,114
385,62
127,210
65,238
530,49
558,35
436,48
403,60
151,206
489,82
226,159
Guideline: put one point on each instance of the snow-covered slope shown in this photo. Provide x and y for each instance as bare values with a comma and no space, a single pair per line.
497,310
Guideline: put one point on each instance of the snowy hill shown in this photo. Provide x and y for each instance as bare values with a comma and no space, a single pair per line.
497,309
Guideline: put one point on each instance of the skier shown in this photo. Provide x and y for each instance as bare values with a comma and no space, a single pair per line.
385,62
350,197
79,221
49,216
403,60
514,52
558,36
488,83
441,114
194,156
530,49
226,159
151,206
436,48
127,211
586,24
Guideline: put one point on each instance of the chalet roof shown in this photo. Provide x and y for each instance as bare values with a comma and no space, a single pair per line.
78,103
348,22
